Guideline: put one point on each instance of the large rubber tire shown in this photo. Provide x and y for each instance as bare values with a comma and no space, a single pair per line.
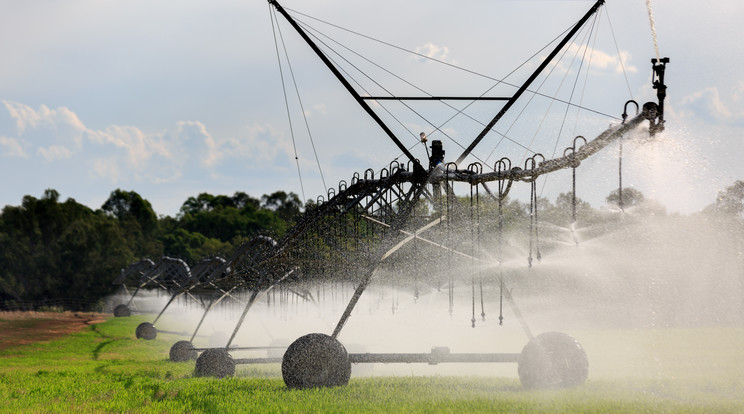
146,330
122,310
316,360
553,360
215,362
182,351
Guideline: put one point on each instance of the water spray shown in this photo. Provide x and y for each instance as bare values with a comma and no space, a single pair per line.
652,23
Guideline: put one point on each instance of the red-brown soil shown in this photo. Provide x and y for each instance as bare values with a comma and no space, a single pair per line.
22,328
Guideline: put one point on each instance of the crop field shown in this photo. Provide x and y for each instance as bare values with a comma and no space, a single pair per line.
104,368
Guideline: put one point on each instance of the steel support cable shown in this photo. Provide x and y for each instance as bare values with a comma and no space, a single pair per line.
340,68
560,86
443,62
286,100
302,108
311,29
576,81
586,77
576,123
617,48
353,79
462,110
498,82
443,102
630,93
466,70
552,100
550,106
436,128
587,37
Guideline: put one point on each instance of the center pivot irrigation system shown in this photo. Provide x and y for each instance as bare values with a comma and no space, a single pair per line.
366,223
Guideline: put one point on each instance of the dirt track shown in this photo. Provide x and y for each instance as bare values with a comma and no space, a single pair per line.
22,328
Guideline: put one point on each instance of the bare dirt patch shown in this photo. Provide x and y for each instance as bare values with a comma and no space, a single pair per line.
23,328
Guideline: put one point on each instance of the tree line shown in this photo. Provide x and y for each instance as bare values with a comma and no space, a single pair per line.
52,249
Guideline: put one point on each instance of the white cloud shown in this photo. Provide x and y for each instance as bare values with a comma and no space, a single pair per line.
602,60
433,51
54,152
320,108
115,152
709,104
59,124
139,146
106,168
11,147
260,147
24,115
596,60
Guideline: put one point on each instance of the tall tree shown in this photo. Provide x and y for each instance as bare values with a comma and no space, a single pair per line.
631,197
730,201
53,250
286,205
137,219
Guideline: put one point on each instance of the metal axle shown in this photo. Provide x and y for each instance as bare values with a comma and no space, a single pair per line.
438,355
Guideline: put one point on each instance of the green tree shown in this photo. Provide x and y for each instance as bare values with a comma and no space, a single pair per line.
730,201
58,250
631,197
286,205
192,247
137,219
207,202
562,213
129,205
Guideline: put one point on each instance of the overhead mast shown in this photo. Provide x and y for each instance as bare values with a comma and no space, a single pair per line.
418,169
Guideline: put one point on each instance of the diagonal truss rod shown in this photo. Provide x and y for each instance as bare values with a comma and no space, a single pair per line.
529,81
417,165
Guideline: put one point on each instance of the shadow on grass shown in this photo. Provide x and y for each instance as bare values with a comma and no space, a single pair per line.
97,351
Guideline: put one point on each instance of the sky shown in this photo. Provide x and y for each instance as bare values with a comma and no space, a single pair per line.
174,98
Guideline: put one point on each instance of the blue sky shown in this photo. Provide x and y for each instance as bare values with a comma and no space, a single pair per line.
174,98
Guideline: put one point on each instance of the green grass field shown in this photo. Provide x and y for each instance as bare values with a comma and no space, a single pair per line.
105,369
